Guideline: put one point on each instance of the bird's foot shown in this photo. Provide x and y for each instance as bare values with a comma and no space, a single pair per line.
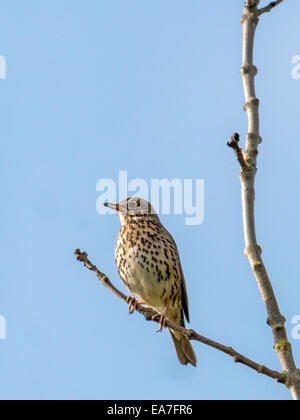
132,304
162,319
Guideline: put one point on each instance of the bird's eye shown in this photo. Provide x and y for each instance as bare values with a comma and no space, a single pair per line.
132,205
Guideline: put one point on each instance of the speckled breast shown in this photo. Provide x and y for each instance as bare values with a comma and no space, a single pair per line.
146,259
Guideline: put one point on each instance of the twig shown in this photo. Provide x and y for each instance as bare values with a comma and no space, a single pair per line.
269,7
234,144
189,333
253,251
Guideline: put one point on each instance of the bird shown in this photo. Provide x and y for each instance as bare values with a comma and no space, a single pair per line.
149,266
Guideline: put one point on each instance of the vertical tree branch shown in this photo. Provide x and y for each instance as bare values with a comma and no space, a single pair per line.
252,251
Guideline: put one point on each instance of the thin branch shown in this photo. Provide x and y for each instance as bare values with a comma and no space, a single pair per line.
253,251
149,314
234,144
269,7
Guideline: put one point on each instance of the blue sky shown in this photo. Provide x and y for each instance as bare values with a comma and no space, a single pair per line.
152,88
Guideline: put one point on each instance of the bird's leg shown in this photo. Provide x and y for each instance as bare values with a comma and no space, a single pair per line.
162,319
132,302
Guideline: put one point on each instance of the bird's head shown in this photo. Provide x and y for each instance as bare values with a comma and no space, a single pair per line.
133,207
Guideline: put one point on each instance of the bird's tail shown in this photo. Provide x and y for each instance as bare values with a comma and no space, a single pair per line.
184,349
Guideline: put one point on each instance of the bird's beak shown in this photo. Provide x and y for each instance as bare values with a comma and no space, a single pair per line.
111,206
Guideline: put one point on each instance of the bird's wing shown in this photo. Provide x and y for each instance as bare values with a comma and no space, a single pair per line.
185,301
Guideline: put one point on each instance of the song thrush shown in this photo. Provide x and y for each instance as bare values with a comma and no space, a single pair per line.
149,266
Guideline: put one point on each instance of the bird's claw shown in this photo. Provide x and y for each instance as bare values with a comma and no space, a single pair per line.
133,303
162,321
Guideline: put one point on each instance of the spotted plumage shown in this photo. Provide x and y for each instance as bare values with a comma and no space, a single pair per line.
149,266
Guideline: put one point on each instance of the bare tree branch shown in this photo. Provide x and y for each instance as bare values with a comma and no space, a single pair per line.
269,7
149,314
253,251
